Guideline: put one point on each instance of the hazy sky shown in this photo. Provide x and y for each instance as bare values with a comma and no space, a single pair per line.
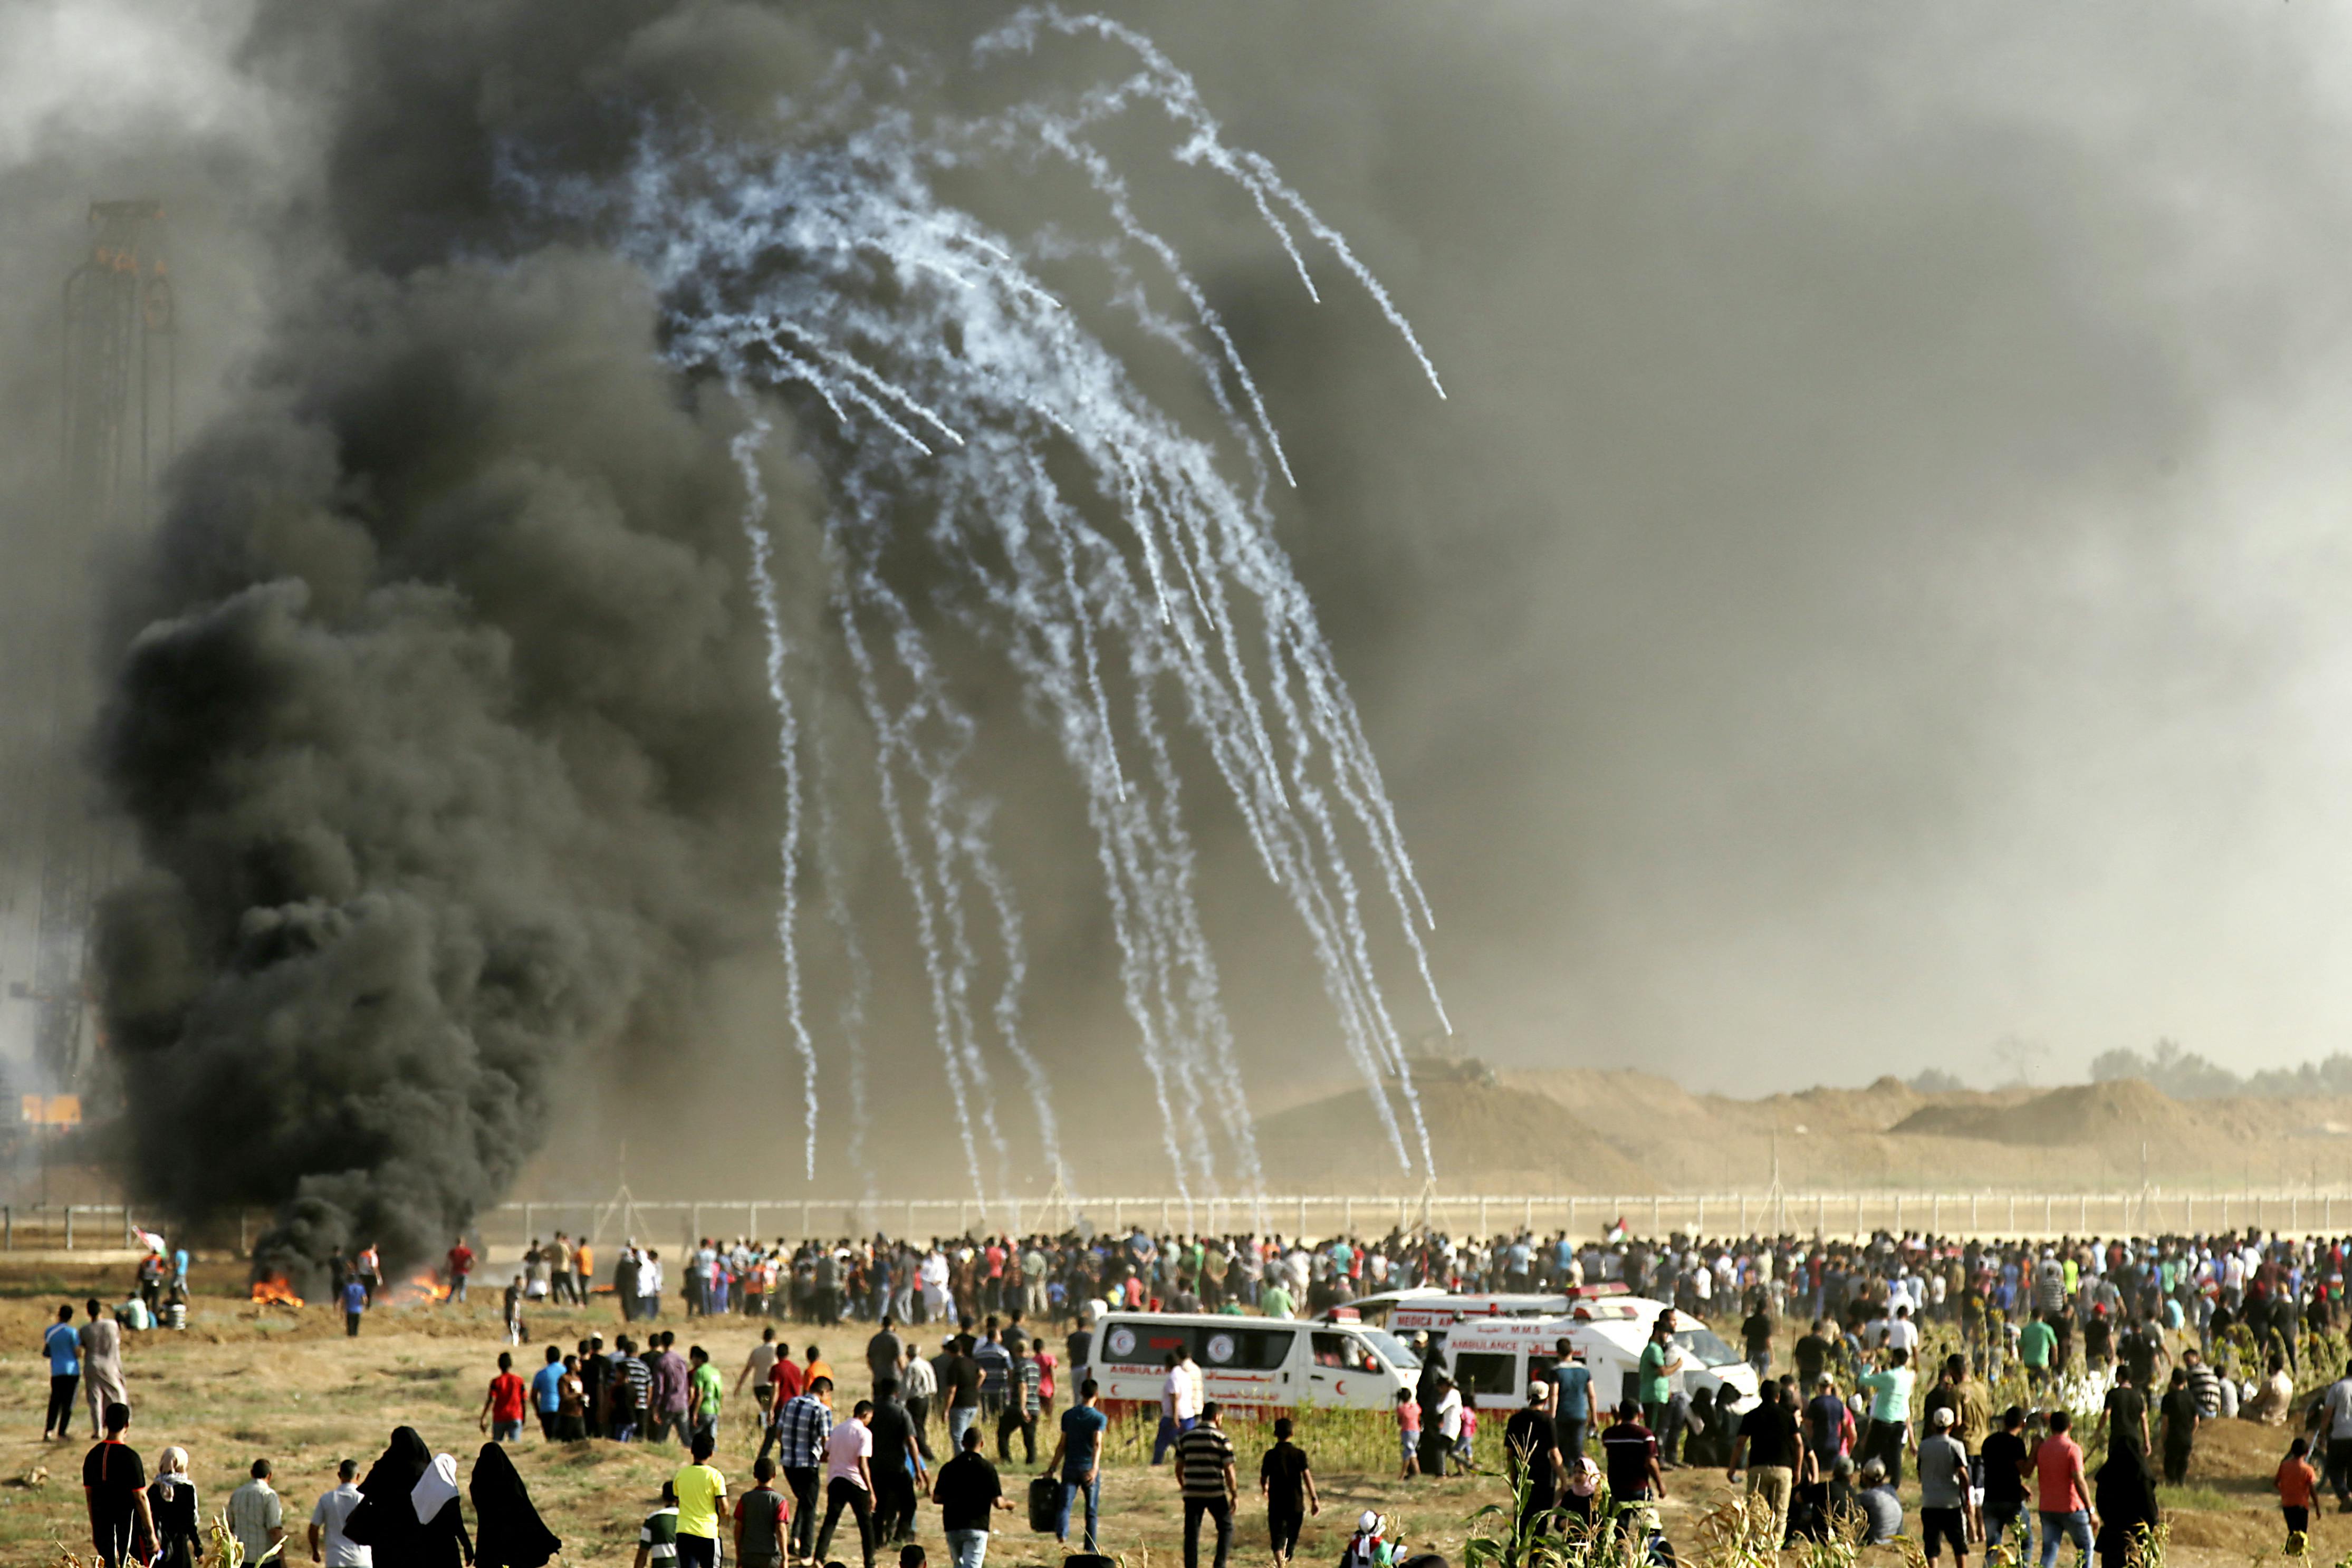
1879,583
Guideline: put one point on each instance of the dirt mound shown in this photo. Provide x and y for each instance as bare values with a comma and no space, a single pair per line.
1478,1131
1612,1097
2121,1110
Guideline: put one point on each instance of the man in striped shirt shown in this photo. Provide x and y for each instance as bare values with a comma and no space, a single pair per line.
1022,1382
631,1386
803,1425
1205,1474
657,1537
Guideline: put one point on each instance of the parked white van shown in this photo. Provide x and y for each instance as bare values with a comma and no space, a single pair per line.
1260,1363
1490,1361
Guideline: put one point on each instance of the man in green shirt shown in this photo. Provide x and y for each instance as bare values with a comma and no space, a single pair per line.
2034,1342
1889,1388
1660,1361
702,1392
1275,1299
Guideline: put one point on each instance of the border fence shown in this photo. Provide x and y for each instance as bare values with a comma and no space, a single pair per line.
1847,1215
1829,1215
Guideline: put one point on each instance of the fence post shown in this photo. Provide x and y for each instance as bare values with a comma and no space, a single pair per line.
753,1222
70,1212
1347,1217
7,1227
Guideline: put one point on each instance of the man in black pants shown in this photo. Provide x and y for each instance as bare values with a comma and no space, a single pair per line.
64,1347
1287,1482
850,1482
1205,1474
1531,1453
898,1466
1022,1382
800,1432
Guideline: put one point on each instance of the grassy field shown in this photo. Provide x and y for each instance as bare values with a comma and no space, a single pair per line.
245,1382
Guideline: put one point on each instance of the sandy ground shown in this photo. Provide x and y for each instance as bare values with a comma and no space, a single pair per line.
245,1382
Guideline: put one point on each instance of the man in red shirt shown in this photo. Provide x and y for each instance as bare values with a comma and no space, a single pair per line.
786,1381
461,1266
502,1406
2065,1496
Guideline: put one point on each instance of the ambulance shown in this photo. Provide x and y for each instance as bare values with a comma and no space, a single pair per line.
1490,1360
1257,1364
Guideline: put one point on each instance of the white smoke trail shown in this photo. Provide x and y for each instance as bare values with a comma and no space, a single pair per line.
946,365
746,448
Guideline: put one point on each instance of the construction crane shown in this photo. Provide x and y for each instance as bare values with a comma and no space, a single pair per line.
118,396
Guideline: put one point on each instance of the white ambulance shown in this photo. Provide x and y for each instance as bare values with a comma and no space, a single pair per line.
1257,1364
1490,1361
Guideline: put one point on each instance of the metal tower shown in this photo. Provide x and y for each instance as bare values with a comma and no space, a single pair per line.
117,392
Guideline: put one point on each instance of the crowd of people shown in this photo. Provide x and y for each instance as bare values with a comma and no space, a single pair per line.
2147,1339
405,1514
2092,1290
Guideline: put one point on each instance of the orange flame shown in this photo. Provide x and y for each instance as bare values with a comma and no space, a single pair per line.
425,1288
272,1290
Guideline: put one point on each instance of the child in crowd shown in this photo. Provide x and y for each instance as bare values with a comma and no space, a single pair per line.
657,1537
1408,1432
2298,1484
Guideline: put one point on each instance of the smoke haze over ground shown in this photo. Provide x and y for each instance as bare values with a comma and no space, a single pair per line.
1875,587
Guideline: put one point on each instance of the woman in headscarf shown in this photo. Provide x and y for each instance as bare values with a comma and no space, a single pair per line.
441,1541
2126,1506
508,1532
408,1514
173,1499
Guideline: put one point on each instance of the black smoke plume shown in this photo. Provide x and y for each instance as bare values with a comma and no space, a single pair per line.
445,742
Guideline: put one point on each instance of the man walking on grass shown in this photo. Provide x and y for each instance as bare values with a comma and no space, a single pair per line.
1077,1459
114,1483
1205,1476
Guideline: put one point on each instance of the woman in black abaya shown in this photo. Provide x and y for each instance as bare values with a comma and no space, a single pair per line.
387,1519
508,1532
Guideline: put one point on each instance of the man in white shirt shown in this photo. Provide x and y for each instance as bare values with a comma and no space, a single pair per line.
256,1517
1902,1334
1179,1403
328,1544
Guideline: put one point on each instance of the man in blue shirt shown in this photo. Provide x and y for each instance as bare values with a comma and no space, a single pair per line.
355,1302
63,1345
547,1391
1077,1458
